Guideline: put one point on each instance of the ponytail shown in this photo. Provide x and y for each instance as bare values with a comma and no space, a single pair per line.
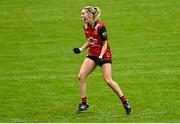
96,15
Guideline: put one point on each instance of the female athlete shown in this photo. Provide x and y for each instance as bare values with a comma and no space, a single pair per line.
99,53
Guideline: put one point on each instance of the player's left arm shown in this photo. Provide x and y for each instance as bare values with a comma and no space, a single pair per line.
103,50
103,36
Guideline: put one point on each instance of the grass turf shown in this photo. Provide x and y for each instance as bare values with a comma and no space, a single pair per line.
38,68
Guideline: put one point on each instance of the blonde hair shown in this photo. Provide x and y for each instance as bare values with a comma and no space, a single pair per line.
95,12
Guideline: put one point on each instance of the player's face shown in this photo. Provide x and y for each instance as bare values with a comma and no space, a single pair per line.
85,16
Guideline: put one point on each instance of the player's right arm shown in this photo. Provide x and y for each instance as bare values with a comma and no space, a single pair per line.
85,46
79,50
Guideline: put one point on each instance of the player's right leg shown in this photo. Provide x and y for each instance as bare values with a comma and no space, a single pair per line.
86,68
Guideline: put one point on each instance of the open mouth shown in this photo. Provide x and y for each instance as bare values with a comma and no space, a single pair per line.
83,19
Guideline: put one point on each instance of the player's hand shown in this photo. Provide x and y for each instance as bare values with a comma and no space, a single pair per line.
77,50
99,60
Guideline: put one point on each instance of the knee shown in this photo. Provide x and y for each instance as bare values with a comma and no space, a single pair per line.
108,81
81,77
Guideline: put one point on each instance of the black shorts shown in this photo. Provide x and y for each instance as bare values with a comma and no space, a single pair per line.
94,58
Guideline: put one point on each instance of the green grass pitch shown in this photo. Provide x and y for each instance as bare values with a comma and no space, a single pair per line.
38,69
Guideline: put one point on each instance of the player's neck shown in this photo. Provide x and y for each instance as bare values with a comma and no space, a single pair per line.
92,25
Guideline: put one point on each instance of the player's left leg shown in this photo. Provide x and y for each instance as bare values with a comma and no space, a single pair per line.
106,68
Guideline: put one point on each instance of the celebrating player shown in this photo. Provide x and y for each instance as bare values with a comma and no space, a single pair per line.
99,53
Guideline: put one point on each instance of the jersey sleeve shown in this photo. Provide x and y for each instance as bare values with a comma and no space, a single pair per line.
103,33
